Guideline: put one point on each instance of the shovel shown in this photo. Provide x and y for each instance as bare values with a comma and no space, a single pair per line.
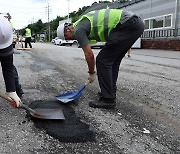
71,96
38,113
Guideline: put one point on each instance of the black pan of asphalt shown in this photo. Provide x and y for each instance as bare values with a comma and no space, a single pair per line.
70,130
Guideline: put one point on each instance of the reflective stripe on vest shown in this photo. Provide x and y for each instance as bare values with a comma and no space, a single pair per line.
102,22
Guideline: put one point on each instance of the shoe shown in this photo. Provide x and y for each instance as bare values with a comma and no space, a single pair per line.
105,103
129,56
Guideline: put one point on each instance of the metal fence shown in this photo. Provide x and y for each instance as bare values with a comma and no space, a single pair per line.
165,33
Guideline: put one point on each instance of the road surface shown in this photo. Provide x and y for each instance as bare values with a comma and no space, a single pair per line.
146,119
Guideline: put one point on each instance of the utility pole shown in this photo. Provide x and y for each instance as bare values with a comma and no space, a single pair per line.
176,18
49,29
68,7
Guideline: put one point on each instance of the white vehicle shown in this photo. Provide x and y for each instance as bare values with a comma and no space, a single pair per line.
58,41
53,40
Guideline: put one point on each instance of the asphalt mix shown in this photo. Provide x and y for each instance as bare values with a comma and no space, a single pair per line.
70,130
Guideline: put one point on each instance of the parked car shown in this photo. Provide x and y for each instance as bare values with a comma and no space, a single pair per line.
53,40
61,42
98,45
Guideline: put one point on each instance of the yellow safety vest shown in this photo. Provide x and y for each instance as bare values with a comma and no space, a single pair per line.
102,22
28,33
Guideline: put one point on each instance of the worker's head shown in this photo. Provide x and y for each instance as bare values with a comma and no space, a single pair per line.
6,35
65,31
28,26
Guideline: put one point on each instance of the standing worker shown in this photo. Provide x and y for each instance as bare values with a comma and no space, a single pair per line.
119,29
27,34
6,59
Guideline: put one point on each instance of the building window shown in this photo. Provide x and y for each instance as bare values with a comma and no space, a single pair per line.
167,21
158,22
146,23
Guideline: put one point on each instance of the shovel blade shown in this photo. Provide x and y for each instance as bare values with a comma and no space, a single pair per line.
68,97
71,96
48,114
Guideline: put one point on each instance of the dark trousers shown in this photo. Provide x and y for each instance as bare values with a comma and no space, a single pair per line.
28,41
10,75
19,90
8,72
109,58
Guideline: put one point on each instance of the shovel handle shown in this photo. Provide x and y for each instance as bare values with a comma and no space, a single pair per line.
14,104
84,86
5,97
23,106
87,82
8,99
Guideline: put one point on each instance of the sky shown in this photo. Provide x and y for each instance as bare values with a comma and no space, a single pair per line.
26,12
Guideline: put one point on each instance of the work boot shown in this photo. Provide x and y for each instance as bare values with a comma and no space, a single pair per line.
105,103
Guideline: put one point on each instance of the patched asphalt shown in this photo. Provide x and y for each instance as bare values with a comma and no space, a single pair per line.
70,130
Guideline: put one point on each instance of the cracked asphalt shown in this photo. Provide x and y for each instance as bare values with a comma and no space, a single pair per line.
145,121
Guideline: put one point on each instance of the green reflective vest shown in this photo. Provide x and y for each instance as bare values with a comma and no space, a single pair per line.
102,22
28,33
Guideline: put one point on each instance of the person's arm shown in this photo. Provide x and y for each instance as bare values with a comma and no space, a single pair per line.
89,58
90,61
81,34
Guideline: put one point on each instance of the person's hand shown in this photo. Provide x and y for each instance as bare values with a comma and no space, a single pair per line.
92,77
15,98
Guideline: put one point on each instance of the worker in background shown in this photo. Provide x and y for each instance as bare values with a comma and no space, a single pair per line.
27,34
119,29
6,59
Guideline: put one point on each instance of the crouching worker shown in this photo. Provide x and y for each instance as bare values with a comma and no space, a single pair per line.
119,29
6,59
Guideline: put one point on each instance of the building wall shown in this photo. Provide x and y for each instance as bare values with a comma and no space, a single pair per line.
153,8
165,44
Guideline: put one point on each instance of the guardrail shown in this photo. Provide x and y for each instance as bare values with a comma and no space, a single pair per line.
165,33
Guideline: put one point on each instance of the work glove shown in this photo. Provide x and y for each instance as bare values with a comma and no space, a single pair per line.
14,97
92,77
